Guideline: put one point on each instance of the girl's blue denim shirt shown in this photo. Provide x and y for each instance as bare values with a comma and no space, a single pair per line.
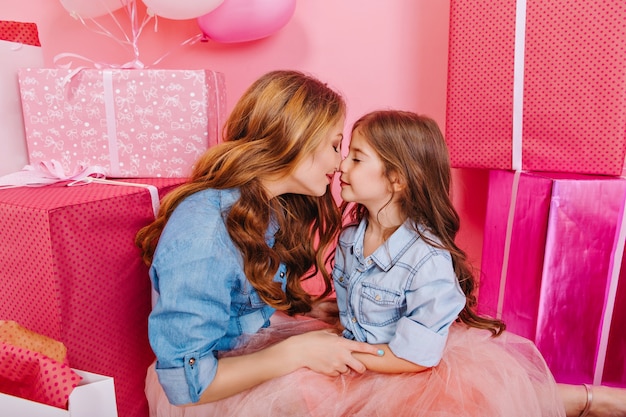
405,294
205,302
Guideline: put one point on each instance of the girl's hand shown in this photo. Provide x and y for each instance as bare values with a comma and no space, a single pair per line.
326,352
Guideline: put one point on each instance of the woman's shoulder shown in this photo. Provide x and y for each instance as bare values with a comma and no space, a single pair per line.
201,215
209,199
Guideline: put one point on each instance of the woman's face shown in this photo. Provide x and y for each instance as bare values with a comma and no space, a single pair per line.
316,171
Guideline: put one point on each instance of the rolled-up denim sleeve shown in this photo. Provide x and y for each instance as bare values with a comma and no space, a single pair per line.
434,300
193,272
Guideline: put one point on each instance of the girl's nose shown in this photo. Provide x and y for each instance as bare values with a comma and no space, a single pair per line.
342,164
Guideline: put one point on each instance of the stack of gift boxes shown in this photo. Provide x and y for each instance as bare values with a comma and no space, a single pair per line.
537,95
69,267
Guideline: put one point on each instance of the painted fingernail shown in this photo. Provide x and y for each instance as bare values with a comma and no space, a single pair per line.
380,352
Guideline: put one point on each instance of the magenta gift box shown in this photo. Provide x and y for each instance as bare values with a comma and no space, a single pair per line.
559,73
135,123
559,287
69,269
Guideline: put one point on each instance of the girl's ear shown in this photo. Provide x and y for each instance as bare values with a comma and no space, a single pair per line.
397,182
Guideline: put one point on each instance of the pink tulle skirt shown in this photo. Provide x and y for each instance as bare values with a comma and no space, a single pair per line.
478,376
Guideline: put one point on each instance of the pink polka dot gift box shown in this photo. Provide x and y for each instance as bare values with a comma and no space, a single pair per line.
538,85
134,123
70,270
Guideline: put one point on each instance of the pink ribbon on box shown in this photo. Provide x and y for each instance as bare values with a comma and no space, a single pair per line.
109,111
154,192
47,172
516,154
607,316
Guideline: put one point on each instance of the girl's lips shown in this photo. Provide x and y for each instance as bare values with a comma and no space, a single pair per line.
343,183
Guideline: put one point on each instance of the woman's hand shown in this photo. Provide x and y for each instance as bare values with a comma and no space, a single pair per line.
324,351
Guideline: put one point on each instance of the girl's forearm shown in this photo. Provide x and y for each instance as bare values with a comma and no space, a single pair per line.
388,363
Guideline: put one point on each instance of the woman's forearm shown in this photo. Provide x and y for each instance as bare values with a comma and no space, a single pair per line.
239,373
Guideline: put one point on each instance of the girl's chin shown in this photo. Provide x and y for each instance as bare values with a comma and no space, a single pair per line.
346,197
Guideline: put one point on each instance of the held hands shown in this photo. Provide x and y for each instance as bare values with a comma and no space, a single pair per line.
324,351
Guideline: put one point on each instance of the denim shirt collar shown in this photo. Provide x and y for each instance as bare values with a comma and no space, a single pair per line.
386,255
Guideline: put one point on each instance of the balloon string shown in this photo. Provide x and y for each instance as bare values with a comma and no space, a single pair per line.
194,39
127,41
136,28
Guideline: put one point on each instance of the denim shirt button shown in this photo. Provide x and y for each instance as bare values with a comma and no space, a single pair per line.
192,361
282,275
353,319
341,278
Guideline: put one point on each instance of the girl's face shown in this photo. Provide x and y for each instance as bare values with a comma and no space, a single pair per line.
315,172
363,177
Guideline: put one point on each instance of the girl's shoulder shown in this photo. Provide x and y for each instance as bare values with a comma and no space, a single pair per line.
349,233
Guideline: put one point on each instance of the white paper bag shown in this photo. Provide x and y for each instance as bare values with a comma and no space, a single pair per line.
15,53
93,397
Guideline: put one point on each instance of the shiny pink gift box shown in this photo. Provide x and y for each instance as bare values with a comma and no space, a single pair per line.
70,270
538,85
562,288
135,123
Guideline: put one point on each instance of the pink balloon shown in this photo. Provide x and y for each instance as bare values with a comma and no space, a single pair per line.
88,9
181,9
246,20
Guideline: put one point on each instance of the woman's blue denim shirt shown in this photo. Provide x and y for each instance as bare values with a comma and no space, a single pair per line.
205,301
405,294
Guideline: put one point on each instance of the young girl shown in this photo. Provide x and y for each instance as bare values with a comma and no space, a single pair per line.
403,285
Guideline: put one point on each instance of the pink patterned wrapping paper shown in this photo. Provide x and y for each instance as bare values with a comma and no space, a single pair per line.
562,245
30,375
134,123
70,252
573,86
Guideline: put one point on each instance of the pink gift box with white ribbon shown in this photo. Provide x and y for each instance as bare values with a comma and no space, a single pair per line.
134,123
552,269
537,85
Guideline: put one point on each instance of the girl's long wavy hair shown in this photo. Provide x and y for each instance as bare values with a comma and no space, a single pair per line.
413,148
279,120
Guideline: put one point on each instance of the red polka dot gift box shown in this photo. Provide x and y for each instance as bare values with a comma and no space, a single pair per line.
70,270
19,47
132,123
538,85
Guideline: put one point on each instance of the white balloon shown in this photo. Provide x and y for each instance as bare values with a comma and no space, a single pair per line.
88,9
181,9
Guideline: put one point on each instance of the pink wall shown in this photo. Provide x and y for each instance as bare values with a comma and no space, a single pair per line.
379,54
